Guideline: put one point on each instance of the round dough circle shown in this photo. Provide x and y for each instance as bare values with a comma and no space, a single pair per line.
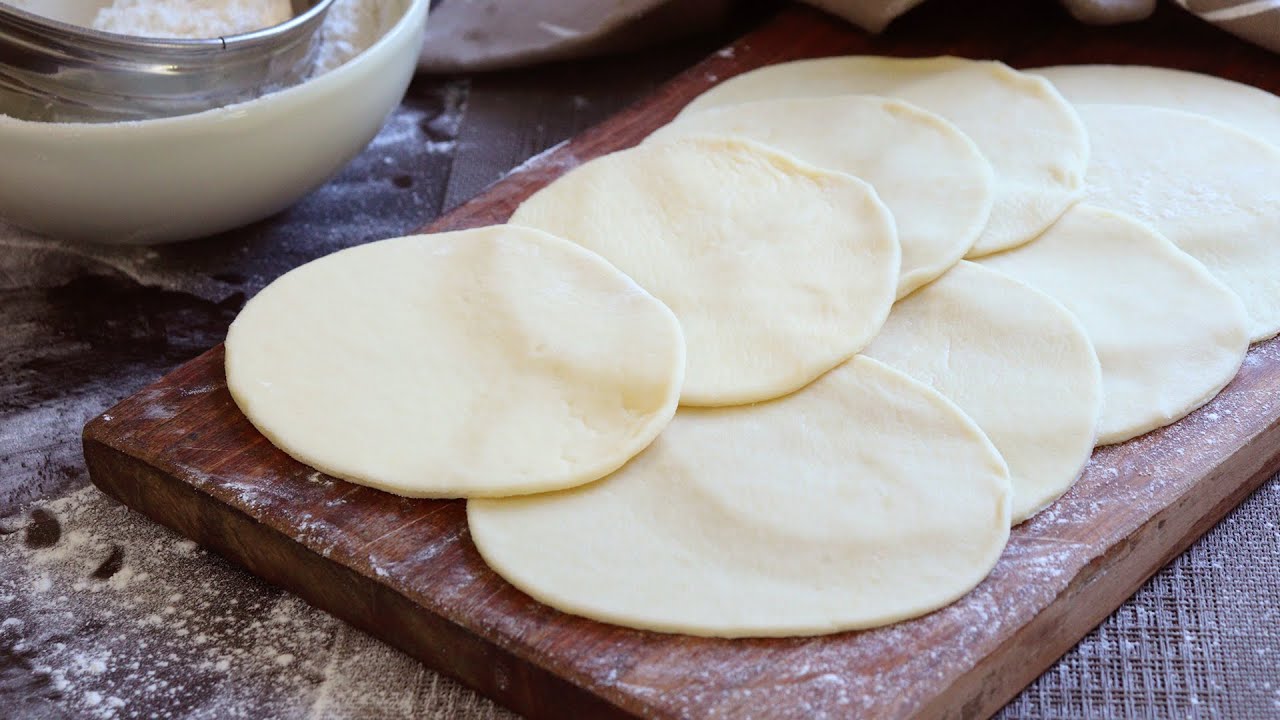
494,361
931,176
865,499
1241,106
1168,335
777,270
1016,361
1029,133
1206,186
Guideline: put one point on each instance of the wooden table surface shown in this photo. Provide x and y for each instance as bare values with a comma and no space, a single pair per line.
81,328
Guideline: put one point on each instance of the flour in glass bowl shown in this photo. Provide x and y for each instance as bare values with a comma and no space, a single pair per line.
191,18
350,27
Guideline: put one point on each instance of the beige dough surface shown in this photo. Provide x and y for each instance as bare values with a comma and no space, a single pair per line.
493,361
1168,335
1241,106
1035,143
1206,186
1016,361
929,174
778,271
822,511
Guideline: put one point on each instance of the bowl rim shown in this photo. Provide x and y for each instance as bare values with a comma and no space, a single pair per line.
414,11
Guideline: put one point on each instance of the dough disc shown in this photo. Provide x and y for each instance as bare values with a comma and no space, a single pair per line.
862,500
929,174
493,361
1028,132
1016,361
1241,106
1208,187
1168,335
777,270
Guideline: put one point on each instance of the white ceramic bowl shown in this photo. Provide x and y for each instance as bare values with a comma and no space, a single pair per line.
178,178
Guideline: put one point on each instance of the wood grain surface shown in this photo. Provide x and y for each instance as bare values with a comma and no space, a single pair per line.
405,570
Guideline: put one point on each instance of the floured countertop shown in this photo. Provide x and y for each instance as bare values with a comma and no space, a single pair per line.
110,615
105,614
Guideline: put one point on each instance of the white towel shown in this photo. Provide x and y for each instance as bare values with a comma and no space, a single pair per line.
488,34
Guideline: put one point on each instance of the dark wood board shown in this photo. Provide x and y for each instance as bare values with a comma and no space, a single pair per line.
404,570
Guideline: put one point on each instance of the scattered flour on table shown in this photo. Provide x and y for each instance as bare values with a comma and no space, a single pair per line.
549,159
26,254
435,131
112,616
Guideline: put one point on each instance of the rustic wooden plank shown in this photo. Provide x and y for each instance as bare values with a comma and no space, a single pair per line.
406,571
372,607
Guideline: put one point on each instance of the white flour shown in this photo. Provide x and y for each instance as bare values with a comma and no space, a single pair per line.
191,18
117,617
350,27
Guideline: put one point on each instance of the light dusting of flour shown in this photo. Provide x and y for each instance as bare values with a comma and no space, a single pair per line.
106,615
350,28
117,617
556,158
436,130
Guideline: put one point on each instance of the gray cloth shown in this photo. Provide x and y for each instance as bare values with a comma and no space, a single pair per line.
1200,640
1257,21
467,35
489,34
1104,12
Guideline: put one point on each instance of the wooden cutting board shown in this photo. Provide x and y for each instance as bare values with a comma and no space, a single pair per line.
405,570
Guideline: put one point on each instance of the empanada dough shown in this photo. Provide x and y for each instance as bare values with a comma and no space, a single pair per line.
1241,106
1168,335
1016,361
1211,189
930,175
493,361
1028,132
864,499
777,270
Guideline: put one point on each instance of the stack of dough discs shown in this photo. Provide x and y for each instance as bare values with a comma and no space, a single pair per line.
1241,106
1016,361
1028,132
1168,335
864,499
495,361
1208,187
778,271
930,175
771,227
